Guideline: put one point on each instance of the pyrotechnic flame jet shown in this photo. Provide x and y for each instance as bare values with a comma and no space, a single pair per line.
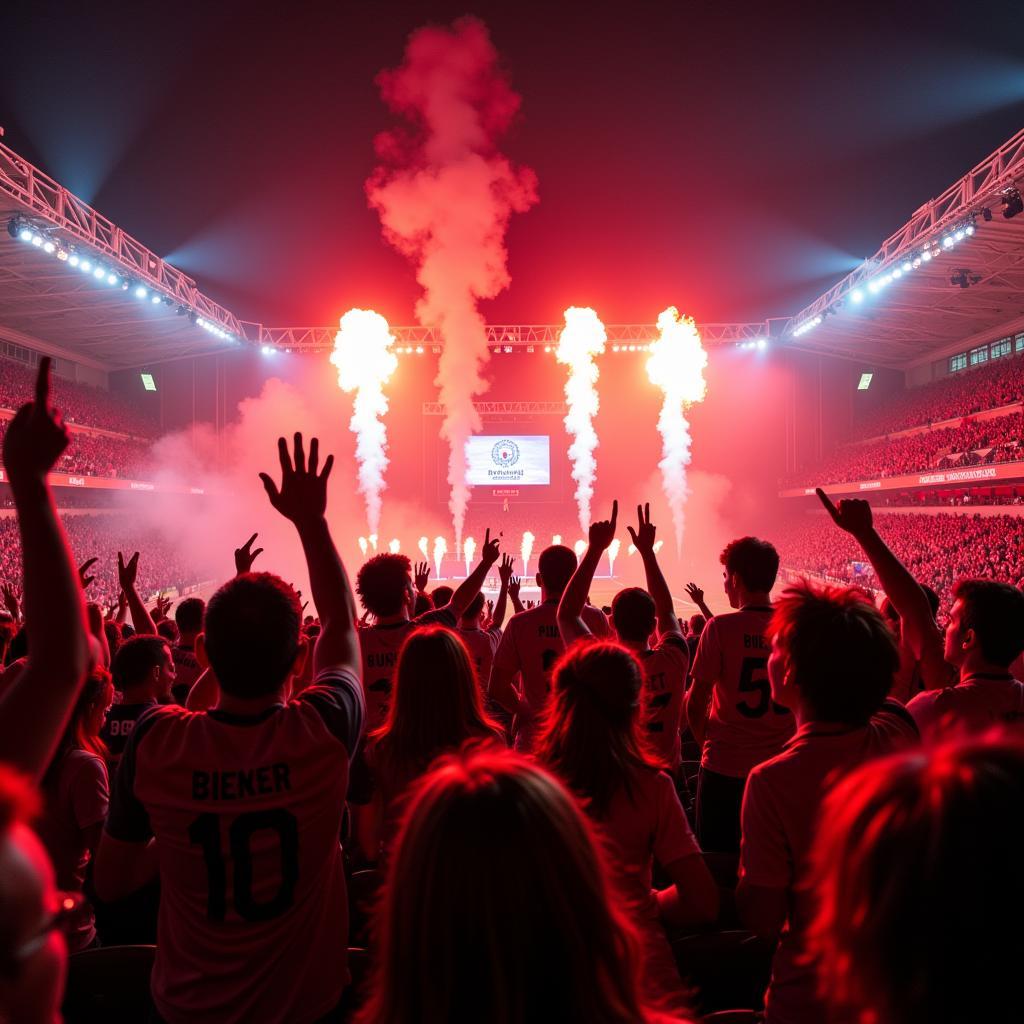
468,551
676,365
613,553
395,546
363,546
526,549
582,338
423,548
440,550
362,353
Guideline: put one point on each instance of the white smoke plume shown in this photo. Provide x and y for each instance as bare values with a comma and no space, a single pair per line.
676,365
444,194
582,338
362,354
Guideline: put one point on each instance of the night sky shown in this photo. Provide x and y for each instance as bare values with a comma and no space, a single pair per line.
731,159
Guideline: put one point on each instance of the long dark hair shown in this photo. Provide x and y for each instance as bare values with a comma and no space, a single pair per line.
591,736
498,907
79,733
436,706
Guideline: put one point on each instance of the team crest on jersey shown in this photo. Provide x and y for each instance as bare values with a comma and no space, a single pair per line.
505,453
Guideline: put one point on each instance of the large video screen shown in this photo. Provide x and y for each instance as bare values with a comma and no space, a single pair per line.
500,460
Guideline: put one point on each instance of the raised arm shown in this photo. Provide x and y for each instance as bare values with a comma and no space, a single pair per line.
35,708
127,572
471,585
501,607
574,597
302,498
922,635
643,541
696,595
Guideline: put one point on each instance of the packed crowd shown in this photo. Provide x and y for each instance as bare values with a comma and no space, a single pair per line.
995,384
938,549
971,443
574,877
78,403
99,455
101,537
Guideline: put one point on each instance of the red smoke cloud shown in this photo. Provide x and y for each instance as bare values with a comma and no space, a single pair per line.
444,194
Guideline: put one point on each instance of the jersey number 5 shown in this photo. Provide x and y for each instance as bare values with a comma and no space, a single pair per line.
205,832
761,686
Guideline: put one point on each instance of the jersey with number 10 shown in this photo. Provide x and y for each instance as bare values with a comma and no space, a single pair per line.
246,812
745,726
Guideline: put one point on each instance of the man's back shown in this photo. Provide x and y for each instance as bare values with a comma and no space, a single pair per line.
780,807
247,813
481,644
665,669
977,703
118,726
530,645
745,726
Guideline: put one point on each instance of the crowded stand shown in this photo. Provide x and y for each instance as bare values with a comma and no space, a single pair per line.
957,395
78,403
971,443
90,454
938,549
165,567
544,813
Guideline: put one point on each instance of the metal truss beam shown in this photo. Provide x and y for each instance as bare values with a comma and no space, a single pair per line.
43,199
504,408
515,336
979,187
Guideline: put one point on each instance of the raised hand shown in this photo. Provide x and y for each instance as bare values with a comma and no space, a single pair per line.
505,569
245,556
490,551
163,606
643,536
302,496
696,594
603,533
127,572
513,587
83,569
422,577
36,436
852,514
12,602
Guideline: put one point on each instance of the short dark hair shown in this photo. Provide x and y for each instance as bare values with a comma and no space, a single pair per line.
555,567
136,658
422,605
440,596
755,561
995,611
697,623
252,633
168,629
633,614
189,615
476,606
381,583
838,647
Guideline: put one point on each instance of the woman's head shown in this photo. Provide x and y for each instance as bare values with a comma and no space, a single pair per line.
591,735
498,907
436,704
917,871
83,728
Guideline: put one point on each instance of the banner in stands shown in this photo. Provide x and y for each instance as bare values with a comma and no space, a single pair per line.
936,478
108,483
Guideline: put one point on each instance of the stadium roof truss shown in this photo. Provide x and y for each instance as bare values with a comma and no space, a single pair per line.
923,313
914,318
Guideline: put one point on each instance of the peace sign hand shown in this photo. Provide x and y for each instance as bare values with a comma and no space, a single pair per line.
643,536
